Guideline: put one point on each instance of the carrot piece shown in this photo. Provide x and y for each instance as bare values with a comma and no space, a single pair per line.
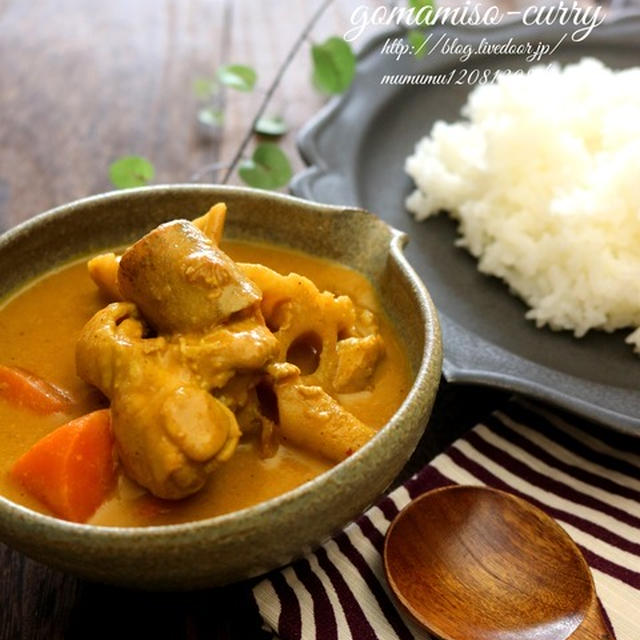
26,389
72,469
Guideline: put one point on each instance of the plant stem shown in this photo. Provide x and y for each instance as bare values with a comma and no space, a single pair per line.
214,166
274,85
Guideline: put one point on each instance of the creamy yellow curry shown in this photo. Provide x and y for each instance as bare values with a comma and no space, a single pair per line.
227,373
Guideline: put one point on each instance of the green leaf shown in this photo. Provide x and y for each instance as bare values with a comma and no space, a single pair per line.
130,171
237,76
268,168
204,88
211,117
418,42
428,10
334,65
271,126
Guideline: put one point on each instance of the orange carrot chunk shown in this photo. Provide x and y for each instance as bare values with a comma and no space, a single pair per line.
25,389
71,470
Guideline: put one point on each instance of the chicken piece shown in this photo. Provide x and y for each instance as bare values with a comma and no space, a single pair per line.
356,361
212,222
103,270
254,423
181,281
312,420
238,393
170,432
171,441
311,326
246,410
243,345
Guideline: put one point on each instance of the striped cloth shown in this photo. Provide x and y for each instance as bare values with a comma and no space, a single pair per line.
586,477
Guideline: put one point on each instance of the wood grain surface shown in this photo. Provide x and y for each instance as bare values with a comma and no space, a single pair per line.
475,563
82,83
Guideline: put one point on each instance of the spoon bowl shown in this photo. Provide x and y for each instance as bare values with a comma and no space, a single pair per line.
474,563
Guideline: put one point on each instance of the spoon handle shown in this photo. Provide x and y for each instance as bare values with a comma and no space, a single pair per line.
593,626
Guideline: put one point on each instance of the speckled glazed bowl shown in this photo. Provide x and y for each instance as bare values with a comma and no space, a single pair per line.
251,541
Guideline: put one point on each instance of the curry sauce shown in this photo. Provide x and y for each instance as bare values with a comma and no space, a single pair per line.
39,328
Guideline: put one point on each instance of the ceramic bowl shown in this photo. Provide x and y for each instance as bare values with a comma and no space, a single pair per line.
252,541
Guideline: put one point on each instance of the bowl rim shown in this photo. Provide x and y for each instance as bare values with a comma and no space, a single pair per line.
419,393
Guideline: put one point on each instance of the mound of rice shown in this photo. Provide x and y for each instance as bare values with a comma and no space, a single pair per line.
544,179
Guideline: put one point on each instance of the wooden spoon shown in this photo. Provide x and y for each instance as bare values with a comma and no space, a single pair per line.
473,563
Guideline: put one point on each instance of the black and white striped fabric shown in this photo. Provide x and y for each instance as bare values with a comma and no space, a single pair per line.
585,477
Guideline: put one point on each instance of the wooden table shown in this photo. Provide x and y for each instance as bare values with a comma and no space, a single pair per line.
81,84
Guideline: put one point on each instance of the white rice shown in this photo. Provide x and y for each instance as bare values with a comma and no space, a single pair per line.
544,179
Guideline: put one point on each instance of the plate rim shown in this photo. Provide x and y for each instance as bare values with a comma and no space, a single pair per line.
480,371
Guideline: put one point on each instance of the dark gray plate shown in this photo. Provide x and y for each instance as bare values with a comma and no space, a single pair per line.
356,148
